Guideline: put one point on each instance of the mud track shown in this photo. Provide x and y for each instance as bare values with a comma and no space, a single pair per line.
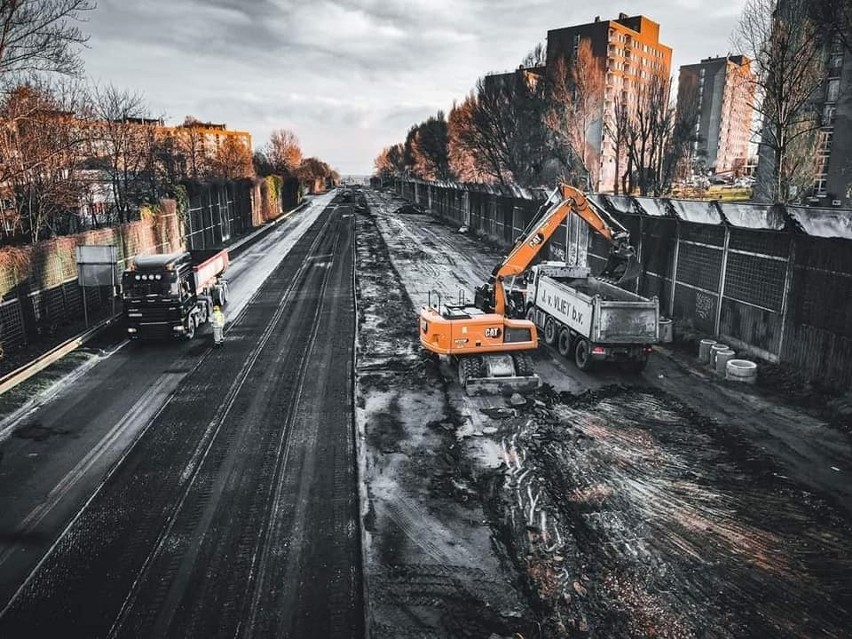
432,566
627,510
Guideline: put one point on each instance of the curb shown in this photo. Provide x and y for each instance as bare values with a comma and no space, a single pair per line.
19,375
23,373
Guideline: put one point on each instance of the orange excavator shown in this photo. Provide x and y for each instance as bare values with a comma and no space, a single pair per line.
489,341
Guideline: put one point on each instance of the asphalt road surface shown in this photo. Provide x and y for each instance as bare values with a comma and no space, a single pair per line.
227,502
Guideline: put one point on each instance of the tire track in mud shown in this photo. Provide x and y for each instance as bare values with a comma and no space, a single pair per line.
661,522
631,515
431,567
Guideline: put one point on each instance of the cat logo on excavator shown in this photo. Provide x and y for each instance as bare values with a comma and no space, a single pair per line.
538,239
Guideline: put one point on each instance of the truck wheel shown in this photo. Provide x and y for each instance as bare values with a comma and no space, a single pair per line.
531,314
564,343
190,328
550,331
523,364
219,295
583,355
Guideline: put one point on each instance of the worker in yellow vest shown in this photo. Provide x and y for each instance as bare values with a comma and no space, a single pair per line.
218,322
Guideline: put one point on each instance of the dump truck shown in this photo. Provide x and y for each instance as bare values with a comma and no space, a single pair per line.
589,319
490,341
170,295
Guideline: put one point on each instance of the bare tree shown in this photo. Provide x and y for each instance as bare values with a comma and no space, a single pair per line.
283,151
192,146
41,35
617,128
505,129
316,172
834,19
786,47
650,137
537,57
430,149
42,141
574,106
124,143
680,152
389,162
233,160
465,161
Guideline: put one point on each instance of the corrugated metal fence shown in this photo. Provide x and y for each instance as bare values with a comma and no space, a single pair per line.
775,281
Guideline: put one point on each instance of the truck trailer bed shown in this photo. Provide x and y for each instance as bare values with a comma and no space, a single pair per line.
608,292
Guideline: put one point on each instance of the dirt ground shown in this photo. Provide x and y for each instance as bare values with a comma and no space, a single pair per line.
668,504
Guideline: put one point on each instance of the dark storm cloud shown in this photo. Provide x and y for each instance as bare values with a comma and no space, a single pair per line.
348,76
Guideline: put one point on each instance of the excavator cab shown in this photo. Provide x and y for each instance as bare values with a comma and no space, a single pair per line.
484,299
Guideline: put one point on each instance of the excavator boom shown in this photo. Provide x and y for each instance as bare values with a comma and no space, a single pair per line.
622,265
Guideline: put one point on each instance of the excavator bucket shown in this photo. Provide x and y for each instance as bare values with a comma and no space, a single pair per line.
621,266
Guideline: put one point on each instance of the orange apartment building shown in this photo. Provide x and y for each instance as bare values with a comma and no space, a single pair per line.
723,90
628,53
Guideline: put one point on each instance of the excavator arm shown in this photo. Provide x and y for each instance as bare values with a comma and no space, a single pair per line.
564,201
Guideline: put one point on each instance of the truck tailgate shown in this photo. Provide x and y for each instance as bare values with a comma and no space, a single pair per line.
627,322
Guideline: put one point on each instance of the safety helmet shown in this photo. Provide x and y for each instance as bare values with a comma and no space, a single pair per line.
216,308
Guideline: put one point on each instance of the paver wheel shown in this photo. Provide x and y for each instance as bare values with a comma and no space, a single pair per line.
583,355
564,343
550,332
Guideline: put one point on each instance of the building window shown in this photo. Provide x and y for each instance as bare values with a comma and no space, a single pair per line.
833,91
828,114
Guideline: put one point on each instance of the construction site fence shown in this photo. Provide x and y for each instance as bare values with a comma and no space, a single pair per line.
773,281
39,287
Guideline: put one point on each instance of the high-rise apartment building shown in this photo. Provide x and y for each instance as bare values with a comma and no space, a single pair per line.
721,92
627,54
833,182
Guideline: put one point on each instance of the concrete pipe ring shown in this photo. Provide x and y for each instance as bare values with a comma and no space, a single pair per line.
715,350
704,350
741,370
722,359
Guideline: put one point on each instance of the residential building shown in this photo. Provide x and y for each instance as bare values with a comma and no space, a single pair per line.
721,92
833,182
627,54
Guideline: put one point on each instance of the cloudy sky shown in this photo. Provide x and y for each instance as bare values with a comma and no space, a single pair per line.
347,76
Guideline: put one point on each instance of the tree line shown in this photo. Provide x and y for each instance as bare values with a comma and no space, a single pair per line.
552,119
538,124
73,152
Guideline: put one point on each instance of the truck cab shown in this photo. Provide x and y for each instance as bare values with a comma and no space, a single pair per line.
170,295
